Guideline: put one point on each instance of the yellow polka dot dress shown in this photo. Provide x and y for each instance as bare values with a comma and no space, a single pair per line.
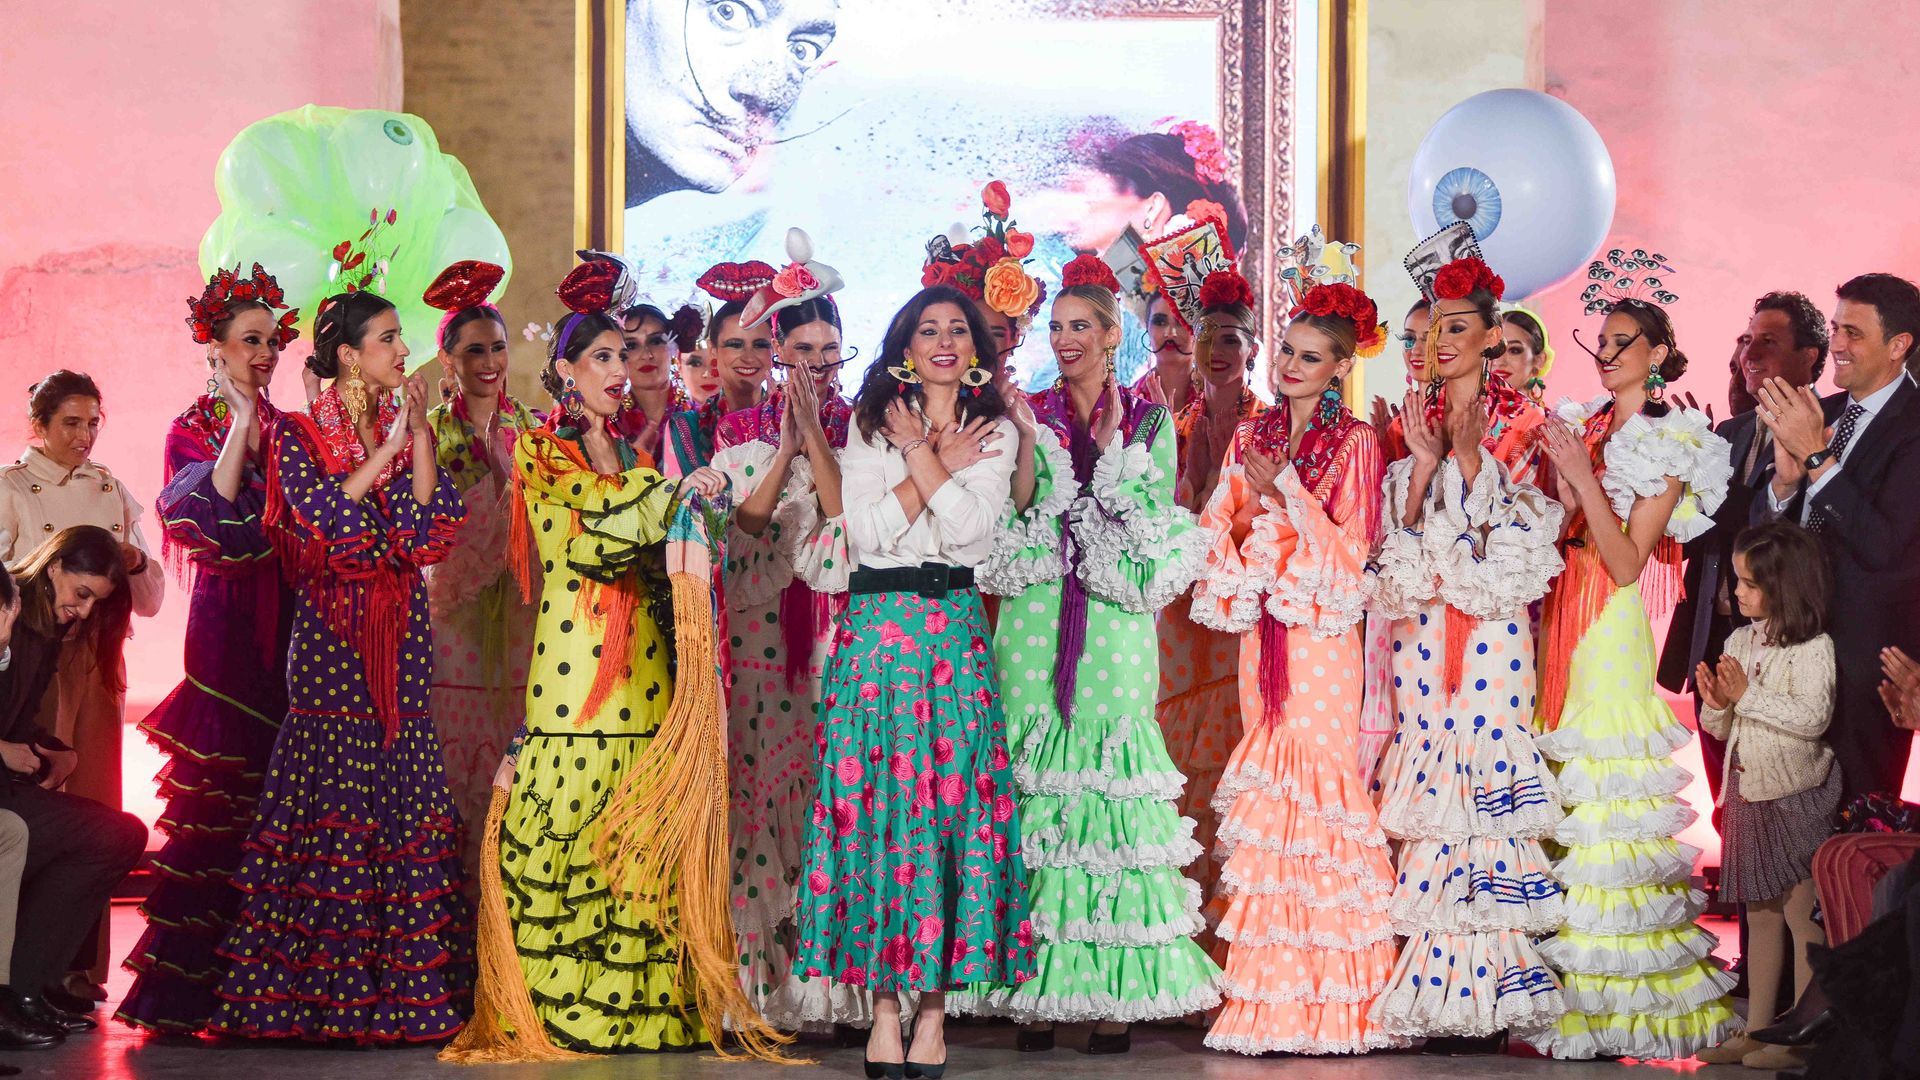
602,976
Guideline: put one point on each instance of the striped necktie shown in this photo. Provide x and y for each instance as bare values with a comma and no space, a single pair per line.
1842,435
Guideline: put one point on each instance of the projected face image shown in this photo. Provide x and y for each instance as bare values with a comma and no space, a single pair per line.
708,83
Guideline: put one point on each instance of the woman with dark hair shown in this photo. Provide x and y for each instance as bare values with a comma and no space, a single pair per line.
785,580
1467,544
217,728
353,926
482,634
1146,180
1639,477
598,967
73,587
913,878
742,357
1198,708
1170,381
55,485
1094,546
653,348
1527,356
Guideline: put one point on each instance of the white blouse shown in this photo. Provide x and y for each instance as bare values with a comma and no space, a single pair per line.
956,526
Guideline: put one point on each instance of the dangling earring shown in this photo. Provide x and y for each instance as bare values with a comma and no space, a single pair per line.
904,372
1331,402
1110,351
571,400
353,392
447,383
975,376
1656,385
213,381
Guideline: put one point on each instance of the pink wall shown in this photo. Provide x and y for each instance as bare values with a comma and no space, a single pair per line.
115,114
1756,151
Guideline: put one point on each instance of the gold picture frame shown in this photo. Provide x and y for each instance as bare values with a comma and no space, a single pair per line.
1256,94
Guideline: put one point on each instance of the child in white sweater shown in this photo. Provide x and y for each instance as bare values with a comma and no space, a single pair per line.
1770,696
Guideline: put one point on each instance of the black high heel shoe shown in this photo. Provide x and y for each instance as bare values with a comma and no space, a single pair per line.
1033,1040
917,1071
1110,1042
884,1070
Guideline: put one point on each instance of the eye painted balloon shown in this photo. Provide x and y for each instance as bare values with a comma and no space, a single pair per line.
294,185
1531,176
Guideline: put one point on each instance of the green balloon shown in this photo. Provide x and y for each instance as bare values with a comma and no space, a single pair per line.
294,186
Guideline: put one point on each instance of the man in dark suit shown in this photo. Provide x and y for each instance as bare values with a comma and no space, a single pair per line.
1849,469
1785,339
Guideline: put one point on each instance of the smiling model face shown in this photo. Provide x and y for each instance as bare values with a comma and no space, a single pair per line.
709,81
1223,348
1517,361
1864,355
942,345
250,349
1626,358
1080,341
814,349
742,358
1307,363
381,354
1413,341
698,375
1465,336
479,359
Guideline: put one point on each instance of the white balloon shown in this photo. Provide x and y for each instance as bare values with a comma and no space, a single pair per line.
1529,173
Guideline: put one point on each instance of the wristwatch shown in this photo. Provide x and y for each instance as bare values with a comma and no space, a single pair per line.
1816,459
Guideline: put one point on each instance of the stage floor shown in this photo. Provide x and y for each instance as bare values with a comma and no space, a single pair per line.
978,1053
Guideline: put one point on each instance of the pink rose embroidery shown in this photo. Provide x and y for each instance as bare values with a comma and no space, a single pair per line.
1002,808
819,882
819,813
960,951
999,759
942,672
902,766
898,954
942,751
905,873
869,691
850,770
844,816
891,634
923,788
985,786
854,975
923,710
999,848
1024,935
931,927
936,622
953,790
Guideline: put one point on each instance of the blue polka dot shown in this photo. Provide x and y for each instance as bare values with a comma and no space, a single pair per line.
1500,766
1479,684
1500,866
1481,648
1466,992
1513,630
1481,971
1436,956
1498,734
1514,664
1423,620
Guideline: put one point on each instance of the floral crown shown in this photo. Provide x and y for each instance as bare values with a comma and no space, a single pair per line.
802,280
1319,276
1089,270
992,269
686,326
1624,277
1224,288
1460,278
226,286
353,270
1203,145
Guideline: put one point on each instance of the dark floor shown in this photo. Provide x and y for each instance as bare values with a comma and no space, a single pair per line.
978,1053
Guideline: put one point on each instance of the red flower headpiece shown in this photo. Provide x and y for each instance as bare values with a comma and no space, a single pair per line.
1089,270
1225,287
686,327
736,281
226,286
1459,278
465,284
989,270
1342,301
1203,145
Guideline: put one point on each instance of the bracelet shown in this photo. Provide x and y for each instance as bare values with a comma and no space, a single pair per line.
912,446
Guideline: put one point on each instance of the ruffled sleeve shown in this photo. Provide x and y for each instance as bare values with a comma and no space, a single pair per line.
1324,585
423,533
758,567
1227,595
1138,548
620,515
1487,550
211,532
1648,450
816,546
318,531
1028,550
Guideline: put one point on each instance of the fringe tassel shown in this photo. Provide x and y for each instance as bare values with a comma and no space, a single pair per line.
520,537
1274,682
799,623
1574,605
505,1028
665,836
612,608
1460,627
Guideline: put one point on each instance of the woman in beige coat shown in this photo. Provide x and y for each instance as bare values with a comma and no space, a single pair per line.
55,485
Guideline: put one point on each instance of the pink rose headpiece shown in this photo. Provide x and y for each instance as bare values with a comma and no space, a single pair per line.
801,280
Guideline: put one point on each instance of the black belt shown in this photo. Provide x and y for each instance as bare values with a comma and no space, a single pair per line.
928,579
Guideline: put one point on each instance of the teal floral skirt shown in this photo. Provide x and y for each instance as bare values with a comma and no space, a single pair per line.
913,877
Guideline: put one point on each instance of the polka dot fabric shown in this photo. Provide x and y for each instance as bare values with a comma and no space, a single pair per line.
602,976
1307,873
353,926
1113,917
914,878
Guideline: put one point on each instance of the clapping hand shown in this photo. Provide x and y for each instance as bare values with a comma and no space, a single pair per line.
1901,689
1263,473
1381,416
1793,414
1425,440
1106,416
1572,463
1723,685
